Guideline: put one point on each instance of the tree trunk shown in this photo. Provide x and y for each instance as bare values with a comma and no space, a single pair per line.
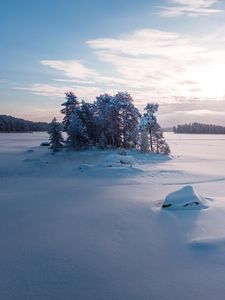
150,139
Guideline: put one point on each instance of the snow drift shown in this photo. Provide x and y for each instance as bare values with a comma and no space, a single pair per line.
185,198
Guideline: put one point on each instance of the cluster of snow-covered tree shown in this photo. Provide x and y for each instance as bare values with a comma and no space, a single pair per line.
109,122
12,124
199,128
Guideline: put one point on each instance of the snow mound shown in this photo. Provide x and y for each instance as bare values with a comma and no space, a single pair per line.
117,160
30,151
85,167
208,243
185,198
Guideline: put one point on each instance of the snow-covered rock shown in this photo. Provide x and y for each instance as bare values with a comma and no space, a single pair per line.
47,144
185,198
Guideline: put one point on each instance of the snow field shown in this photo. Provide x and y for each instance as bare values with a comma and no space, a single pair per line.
87,226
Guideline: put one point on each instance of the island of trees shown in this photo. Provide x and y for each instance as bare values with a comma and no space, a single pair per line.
12,124
108,122
199,128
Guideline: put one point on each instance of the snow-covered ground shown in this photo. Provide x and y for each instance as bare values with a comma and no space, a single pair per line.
91,225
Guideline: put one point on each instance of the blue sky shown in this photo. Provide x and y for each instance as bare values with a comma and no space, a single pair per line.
170,51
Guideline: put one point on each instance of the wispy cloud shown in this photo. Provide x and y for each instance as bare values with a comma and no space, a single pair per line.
43,89
158,63
77,73
70,68
58,90
148,63
190,8
148,42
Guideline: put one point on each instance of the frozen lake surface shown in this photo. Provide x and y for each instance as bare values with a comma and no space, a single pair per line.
89,225
21,141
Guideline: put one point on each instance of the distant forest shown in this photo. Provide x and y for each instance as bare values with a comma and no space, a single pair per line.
12,124
199,128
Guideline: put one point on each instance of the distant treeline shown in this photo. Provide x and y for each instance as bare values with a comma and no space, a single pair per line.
199,128
12,124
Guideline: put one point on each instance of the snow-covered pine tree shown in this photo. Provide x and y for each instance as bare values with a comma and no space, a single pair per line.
163,146
70,106
77,133
159,143
103,114
144,135
154,135
127,120
150,120
144,143
86,114
55,136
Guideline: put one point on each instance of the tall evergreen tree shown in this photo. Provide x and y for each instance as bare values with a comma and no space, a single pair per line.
77,133
104,115
126,121
70,106
144,139
151,130
150,120
117,120
55,136
86,114
159,143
